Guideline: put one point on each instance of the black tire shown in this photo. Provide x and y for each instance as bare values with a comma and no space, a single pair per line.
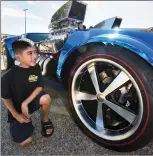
142,73
9,61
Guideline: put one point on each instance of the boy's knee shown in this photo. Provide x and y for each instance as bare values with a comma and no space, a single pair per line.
45,99
27,142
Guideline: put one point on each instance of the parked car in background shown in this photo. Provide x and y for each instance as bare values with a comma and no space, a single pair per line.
107,72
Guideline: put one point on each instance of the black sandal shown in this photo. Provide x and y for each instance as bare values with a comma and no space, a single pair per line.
46,126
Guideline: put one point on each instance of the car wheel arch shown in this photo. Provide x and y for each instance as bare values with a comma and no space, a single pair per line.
134,45
75,53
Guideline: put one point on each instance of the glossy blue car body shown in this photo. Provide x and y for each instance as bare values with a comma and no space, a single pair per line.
137,41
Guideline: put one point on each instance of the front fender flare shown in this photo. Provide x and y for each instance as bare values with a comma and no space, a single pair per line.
134,45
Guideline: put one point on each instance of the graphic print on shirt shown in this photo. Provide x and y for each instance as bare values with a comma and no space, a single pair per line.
33,78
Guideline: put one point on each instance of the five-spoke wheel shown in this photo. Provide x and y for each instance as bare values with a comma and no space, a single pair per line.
109,100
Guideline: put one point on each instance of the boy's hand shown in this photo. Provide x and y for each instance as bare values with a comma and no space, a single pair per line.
24,108
22,119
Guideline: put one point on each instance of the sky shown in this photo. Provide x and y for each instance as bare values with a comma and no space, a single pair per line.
135,14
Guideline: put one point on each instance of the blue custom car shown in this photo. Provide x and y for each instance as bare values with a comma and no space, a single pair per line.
108,74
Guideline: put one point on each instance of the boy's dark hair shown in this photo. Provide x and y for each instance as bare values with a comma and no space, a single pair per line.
19,45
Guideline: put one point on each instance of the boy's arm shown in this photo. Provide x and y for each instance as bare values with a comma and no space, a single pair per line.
10,107
12,110
6,97
25,103
32,96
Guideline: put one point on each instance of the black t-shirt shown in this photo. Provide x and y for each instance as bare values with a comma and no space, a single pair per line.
18,84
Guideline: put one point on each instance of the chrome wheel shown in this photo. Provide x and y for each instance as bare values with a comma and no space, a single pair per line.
107,99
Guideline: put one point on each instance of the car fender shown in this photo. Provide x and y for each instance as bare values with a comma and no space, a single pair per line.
142,49
136,46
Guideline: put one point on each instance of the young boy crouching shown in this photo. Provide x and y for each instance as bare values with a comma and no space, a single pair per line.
22,93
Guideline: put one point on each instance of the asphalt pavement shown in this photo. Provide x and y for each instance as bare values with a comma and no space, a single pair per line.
67,138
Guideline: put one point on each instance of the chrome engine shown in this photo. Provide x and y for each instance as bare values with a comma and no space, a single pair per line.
63,23
57,37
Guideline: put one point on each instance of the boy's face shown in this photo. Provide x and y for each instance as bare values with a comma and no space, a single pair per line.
28,57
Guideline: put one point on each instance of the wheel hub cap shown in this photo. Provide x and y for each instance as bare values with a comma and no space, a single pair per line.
100,97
